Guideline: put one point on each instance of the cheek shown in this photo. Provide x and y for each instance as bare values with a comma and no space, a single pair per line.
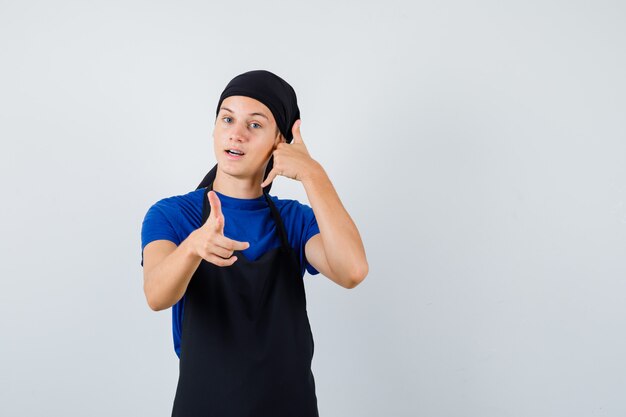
217,145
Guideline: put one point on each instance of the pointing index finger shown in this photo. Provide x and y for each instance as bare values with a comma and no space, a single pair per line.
216,207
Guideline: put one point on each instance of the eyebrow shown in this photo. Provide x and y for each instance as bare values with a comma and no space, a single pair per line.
251,114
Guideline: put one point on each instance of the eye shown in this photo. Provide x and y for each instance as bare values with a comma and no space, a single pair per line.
225,117
253,123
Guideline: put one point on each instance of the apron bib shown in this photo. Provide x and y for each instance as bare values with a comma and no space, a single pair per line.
246,342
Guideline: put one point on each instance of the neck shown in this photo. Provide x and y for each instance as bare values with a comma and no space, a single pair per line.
238,187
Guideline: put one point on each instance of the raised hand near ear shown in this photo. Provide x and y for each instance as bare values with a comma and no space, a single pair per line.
291,160
209,241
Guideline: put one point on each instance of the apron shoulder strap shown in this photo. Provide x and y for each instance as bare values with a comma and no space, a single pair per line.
279,222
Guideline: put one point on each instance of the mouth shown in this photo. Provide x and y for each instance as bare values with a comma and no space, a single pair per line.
234,153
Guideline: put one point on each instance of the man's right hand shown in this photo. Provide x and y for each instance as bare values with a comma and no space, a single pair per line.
209,241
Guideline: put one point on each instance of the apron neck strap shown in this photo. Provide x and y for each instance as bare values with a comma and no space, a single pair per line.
279,222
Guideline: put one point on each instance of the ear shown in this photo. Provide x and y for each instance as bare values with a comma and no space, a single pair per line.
279,139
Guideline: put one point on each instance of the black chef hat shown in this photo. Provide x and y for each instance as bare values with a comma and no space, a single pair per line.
276,94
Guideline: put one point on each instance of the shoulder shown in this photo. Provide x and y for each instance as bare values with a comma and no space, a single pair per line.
298,218
190,200
173,206
176,211
292,208
172,218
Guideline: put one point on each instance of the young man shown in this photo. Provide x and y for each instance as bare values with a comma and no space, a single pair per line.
239,308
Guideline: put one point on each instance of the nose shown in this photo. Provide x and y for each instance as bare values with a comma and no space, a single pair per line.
238,132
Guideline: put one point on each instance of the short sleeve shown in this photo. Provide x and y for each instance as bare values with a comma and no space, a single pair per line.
311,228
156,226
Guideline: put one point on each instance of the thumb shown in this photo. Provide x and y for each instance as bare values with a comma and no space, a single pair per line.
216,211
295,129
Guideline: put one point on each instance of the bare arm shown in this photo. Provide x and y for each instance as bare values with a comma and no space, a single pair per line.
337,251
167,271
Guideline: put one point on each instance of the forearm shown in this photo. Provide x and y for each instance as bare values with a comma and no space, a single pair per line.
343,246
166,283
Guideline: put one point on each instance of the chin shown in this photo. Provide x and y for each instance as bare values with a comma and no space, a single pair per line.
226,168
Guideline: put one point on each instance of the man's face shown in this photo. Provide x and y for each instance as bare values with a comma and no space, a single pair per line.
247,125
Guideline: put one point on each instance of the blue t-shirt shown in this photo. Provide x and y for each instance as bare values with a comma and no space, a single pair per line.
245,220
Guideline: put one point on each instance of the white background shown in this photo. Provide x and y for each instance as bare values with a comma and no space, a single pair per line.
479,147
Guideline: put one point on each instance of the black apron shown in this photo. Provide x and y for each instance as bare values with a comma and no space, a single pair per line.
246,342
